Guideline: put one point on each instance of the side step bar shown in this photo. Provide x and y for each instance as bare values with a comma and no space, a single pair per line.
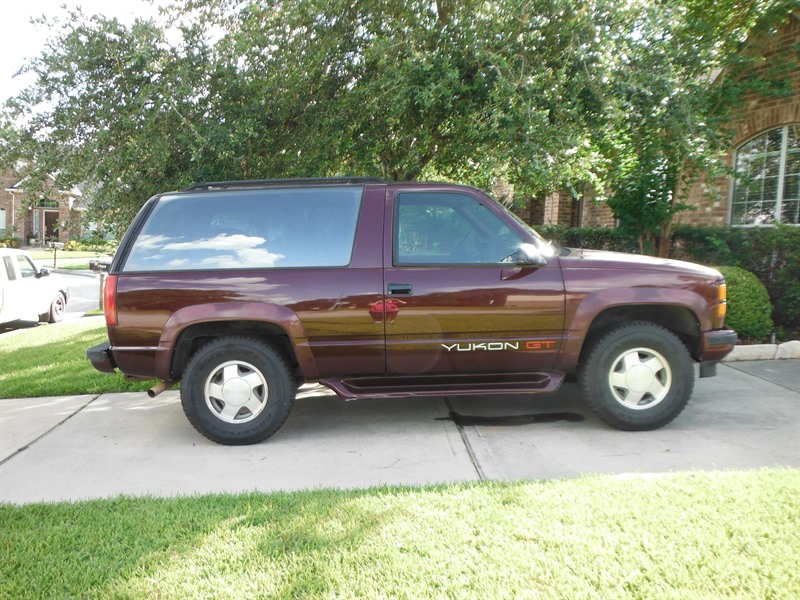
444,385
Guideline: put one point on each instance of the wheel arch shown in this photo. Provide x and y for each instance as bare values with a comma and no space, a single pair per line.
190,328
197,335
680,320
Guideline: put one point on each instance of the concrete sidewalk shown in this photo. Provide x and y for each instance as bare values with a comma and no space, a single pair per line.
83,447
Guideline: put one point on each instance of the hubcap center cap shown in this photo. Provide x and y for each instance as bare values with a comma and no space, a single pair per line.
236,392
640,378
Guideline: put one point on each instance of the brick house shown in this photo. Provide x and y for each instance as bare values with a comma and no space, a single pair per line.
766,147
42,220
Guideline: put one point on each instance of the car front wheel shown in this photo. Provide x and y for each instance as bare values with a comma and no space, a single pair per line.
237,390
639,376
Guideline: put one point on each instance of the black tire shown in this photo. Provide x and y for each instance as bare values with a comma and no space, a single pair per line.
57,308
237,390
639,376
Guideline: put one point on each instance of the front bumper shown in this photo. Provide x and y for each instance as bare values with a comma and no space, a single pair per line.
100,357
717,345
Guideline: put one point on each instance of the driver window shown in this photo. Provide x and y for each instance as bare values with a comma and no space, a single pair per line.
26,267
449,229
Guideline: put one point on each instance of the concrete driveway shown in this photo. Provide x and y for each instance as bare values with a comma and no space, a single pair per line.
89,447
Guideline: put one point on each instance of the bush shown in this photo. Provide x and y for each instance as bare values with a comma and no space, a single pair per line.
597,238
103,246
749,306
771,253
9,243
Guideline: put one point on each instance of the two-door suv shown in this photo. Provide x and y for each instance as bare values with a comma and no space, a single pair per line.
244,290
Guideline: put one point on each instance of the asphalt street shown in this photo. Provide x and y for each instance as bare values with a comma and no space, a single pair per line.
82,447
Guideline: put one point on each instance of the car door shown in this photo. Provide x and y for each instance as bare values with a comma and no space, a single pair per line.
456,302
21,298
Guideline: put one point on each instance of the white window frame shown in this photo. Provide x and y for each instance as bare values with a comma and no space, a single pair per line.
783,159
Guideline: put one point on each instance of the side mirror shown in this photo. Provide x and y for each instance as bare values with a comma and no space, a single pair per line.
528,255
43,273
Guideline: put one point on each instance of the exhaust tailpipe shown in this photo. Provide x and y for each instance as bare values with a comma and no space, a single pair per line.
159,387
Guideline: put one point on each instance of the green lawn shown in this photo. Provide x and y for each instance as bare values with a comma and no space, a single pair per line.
50,360
698,535
695,535
47,254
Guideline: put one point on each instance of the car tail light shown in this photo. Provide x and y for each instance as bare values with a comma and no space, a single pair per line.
110,300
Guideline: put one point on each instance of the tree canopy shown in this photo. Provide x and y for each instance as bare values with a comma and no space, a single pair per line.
540,95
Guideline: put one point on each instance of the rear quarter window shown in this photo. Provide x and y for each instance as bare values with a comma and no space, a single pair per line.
245,229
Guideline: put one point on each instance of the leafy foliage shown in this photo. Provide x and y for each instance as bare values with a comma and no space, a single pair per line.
771,253
558,93
598,238
682,70
749,308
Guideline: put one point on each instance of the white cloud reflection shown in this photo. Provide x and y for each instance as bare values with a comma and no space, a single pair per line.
229,251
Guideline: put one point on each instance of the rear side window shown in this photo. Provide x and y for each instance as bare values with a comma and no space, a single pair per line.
10,272
245,229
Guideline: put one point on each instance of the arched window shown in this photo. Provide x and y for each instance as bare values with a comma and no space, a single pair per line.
767,187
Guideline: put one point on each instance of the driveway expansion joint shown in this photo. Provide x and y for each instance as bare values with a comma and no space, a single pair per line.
19,451
467,444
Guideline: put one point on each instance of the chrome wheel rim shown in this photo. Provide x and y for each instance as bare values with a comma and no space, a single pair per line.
640,378
236,392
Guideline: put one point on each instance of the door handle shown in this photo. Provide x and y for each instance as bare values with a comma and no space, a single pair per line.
399,289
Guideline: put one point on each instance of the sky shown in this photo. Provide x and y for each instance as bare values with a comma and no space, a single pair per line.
20,40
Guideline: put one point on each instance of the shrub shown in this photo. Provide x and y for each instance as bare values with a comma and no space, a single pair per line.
9,243
106,247
598,238
749,306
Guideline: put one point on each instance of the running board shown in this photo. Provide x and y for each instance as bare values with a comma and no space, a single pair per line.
407,386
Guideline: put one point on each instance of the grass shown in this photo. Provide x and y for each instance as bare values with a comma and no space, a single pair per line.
47,254
50,360
699,535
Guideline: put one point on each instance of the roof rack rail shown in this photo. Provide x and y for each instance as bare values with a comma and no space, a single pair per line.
254,183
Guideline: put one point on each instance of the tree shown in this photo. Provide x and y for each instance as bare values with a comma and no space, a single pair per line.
683,67
544,95
475,90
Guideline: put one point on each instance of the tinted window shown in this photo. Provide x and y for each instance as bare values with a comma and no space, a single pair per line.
447,228
273,228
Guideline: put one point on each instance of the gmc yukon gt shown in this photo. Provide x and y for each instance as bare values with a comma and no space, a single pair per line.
245,290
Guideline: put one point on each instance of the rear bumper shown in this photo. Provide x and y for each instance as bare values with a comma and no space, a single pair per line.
100,357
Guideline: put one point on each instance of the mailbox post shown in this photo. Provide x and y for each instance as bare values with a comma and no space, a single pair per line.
101,268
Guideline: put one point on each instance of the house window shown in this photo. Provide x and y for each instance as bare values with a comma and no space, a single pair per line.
2,222
767,187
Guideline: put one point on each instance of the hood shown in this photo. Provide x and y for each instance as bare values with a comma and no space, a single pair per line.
572,258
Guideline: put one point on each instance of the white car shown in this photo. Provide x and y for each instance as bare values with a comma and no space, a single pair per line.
27,292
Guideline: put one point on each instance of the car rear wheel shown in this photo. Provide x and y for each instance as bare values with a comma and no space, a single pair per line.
639,376
237,390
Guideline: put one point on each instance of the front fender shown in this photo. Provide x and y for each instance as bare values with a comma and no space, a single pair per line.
587,309
274,314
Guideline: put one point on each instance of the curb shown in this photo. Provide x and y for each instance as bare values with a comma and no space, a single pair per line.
786,350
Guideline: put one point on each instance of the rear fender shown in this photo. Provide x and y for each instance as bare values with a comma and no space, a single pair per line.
275,314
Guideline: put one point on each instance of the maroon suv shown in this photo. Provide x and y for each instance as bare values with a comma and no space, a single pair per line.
244,290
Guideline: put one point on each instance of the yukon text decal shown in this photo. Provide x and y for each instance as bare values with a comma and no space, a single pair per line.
499,346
